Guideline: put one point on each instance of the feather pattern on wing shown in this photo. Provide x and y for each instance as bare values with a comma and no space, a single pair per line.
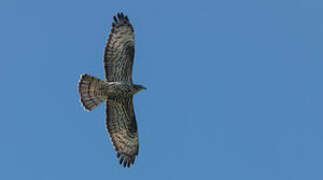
119,50
122,127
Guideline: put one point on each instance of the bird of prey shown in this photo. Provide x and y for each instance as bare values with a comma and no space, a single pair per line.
117,90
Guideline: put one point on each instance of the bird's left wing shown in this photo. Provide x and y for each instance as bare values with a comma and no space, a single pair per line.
122,127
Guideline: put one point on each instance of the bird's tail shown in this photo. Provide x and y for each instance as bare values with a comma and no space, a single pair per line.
91,91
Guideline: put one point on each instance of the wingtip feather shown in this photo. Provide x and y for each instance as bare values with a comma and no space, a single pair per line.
126,160
115,19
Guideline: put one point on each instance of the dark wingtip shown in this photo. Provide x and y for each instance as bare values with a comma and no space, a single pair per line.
121,160
120,20
115,19
120,15
126,160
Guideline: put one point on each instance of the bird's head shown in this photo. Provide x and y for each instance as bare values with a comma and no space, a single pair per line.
139,88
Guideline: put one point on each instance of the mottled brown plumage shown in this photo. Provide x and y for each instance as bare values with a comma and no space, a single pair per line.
117,90
120,50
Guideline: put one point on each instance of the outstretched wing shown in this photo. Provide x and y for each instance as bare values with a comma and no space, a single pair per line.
119,51
122,127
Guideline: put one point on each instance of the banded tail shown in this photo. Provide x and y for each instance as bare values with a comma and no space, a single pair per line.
91,93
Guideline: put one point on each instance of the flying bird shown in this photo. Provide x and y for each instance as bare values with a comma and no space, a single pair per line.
117,90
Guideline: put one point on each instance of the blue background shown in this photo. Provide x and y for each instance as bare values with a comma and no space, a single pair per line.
234,89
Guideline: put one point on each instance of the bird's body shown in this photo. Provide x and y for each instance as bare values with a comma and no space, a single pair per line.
117,90
121,89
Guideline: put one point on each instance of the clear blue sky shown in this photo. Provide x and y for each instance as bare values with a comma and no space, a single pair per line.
234,89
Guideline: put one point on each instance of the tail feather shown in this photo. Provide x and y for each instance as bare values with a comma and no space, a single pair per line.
90,89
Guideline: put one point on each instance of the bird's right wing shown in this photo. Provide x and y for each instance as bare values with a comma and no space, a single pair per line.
122,127
119,51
